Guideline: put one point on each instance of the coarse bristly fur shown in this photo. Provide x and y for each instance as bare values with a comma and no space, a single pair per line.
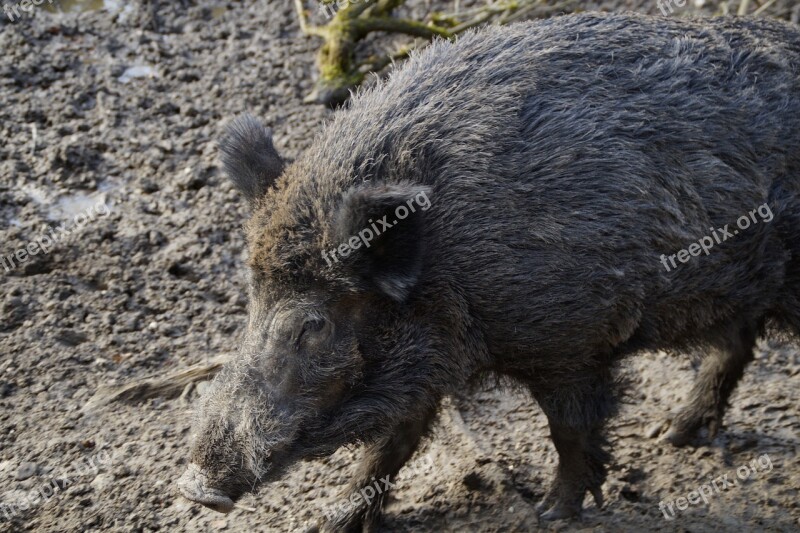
561,159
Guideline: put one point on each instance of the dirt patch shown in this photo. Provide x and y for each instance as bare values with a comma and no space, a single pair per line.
120,108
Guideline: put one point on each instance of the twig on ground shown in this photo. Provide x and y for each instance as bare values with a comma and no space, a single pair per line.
170,386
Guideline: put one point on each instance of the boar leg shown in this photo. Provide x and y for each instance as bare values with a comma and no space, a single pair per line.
377,470
719,373
576,413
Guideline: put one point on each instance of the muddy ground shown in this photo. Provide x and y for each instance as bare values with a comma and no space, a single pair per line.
149,280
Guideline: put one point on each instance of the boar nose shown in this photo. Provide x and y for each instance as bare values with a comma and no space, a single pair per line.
194,486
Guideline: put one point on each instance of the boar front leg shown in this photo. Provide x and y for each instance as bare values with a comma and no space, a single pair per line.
576,412
363,500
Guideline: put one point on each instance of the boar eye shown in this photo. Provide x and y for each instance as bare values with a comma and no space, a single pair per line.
312,325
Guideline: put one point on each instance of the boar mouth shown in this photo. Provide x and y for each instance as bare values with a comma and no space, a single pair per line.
194,486
197,486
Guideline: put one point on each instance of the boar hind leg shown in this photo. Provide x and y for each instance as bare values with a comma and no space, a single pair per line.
363,500
720,370
576,413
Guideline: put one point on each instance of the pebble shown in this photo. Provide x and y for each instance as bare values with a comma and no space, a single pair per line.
201,388
102,481
138,71
25,471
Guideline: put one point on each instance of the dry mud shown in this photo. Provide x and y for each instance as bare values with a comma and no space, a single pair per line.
154,283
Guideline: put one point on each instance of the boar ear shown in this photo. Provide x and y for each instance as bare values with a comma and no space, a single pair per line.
249,158
385,224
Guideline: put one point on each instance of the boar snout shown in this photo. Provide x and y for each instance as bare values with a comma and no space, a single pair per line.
194,486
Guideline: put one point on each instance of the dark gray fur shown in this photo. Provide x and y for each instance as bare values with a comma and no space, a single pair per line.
249,157
563,157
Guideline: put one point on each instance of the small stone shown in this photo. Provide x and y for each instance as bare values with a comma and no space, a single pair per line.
166,146
70,337
148,186
138,71
102,481
201,388
25,471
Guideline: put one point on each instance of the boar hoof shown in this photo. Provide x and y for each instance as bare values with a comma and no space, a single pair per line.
560,511
685,428
678,438
555,508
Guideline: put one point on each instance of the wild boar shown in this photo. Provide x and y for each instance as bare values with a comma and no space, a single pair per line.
511,204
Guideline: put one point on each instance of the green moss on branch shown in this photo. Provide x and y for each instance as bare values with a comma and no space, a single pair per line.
341,71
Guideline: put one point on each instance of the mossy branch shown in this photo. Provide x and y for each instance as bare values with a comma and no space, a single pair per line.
340,69
409,27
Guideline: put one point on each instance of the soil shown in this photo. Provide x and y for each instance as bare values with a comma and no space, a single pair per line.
120,107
